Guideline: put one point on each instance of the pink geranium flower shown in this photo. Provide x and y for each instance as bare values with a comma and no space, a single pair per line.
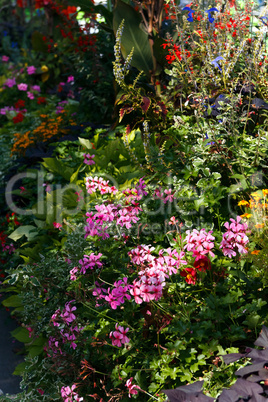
31,70
5,59
30,95
22,87
132,388
10,82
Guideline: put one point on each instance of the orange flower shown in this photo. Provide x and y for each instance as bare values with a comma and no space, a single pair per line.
259,225
265,192
255,252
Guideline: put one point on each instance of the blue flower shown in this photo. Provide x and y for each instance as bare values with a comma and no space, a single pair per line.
209,143
262,20
190,13
210,18
215,62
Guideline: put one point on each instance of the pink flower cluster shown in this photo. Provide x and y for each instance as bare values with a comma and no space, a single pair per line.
199,242
72,274
67,333
166,196
90,262
118,336
22,87
31,70
99,292
69,395
136,193
89,159
235,239
98,183
10,82
108,213
115,297
132,388
155,270
8,247
67,315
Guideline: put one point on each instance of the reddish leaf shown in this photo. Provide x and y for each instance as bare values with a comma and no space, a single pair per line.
145,103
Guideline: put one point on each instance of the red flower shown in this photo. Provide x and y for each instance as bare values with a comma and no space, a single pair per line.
18,118
19,104
41,100
21,3
190,275
202,263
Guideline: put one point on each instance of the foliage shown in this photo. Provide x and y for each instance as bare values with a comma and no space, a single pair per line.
131,270
252,381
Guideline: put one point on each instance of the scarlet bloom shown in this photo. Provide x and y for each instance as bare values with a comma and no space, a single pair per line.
18,118
19,104
190,275
202,263
41,100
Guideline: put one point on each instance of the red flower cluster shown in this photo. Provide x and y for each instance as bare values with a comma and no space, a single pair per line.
69,10
21,3
202,264
18,118
19,104
41,100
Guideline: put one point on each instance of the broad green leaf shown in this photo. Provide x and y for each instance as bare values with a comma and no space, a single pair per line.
12,301
28,230
21,334
56,166
20,369
133,37
85,143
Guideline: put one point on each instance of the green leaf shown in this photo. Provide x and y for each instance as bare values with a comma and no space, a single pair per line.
85,143
21,334
56,166
133,37
75,174
28,230
12,301
20,369
36,350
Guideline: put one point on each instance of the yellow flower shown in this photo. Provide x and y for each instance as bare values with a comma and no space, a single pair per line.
247,216
243,202
265,192
256,196
44,69
255,252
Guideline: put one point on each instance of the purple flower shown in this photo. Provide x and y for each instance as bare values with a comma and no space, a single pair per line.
22,87
190,13
215,62
36,88
10,82
210,18
31,70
